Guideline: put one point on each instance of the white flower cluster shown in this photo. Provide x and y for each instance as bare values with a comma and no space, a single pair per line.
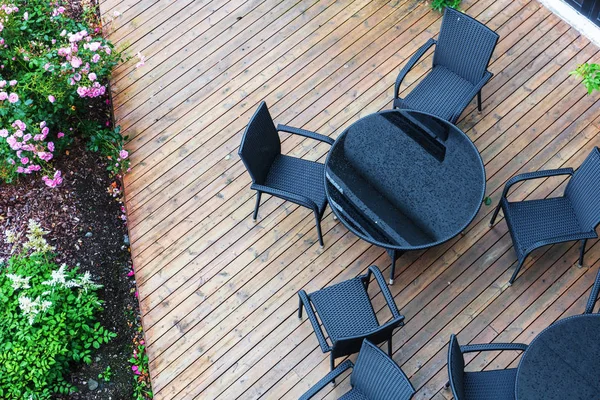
36,241
10,237
59,278
19,282
31,308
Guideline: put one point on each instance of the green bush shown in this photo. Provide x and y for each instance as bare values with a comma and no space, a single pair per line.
48,320
53,71
589,75
439,5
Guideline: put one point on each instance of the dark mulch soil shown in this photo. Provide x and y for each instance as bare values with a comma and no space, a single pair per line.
85,226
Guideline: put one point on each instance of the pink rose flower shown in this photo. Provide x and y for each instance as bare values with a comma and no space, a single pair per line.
13,98
95,58
3,133
3,96
51,146
51,99
60,134
45,130
55,181
123,154
92,77
76,62
24,160
12,83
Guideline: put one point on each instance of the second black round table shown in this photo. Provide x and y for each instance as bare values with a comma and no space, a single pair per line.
404,180
562,362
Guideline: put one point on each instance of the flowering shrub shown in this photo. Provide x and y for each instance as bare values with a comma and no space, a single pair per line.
47,320
53,69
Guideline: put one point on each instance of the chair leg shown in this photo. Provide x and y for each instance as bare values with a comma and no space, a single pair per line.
257,205
581,252
390,347
479,101
393,268
447,385
331,365
299,307
496,211
514,275
318,221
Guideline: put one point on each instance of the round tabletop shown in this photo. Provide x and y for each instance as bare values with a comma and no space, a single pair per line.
404,180
562,362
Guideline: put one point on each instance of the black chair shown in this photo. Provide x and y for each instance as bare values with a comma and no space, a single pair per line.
374,377
589,308
290,178
483,385
571,217
463,51
347,315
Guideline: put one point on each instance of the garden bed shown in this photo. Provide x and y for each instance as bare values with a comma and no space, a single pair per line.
86,228
77,202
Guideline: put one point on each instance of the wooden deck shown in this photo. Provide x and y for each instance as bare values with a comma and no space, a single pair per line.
218,292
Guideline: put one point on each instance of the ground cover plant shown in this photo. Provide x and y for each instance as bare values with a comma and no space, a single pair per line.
48,319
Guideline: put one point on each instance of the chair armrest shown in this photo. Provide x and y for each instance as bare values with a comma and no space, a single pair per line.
385,290
493,347
593,296
302,200
535,175
411,63
560,239
460,108
326,379
305,133
313,320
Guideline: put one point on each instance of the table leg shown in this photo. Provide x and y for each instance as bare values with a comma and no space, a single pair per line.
394,254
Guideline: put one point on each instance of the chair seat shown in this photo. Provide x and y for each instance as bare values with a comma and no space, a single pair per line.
298,176
345,309
534,220
440,93
490,385
354,394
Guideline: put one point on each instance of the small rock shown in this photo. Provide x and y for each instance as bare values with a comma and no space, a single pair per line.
89,234
92,384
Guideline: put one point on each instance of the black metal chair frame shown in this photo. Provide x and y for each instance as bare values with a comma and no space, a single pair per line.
475,348
349,345
476,91
503,203
283,194
368,349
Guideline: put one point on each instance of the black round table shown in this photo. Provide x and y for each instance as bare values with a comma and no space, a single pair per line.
562,362
404,180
